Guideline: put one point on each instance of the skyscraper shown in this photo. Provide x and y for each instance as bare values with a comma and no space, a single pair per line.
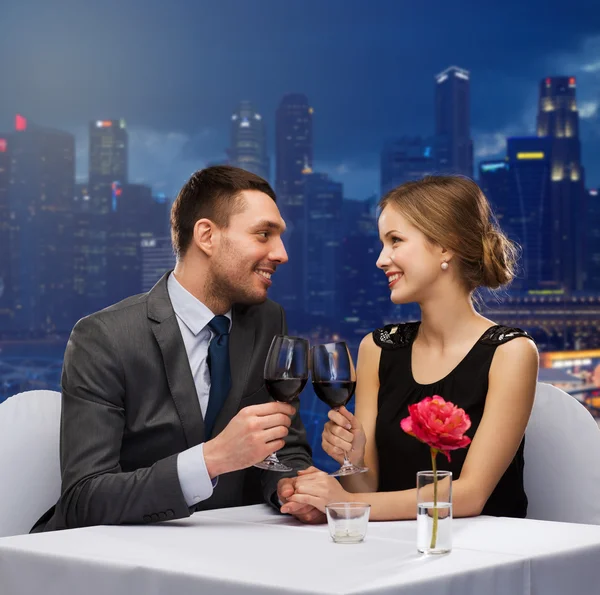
454,147
323,233
248,148
592,245
5,298
494,181
135,216
294,149
41,239
108,161
365,296
89,246
157,258
108,167
558,120
527,218
294,161
406,159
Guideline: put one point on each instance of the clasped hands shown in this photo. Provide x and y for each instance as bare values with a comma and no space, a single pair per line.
305,496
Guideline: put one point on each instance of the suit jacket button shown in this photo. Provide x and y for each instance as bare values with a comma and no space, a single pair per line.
170,514
147,518
154,517
162,516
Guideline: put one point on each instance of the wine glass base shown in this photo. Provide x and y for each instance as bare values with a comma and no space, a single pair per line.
273,466
348,470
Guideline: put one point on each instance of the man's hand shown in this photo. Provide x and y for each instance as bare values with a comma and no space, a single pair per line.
303,512
253,434
317,490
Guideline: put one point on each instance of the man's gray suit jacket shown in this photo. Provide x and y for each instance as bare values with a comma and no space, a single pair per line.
129,406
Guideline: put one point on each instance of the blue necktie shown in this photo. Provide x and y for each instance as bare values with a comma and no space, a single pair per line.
220,374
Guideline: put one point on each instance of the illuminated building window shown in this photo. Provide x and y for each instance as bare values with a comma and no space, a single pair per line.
558,173
548,105
530,155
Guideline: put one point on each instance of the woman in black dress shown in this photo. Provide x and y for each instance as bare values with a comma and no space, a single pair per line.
440,243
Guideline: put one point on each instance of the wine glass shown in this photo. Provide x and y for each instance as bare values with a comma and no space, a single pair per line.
334,381
286,374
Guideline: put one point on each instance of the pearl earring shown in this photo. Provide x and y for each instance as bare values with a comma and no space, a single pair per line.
444,266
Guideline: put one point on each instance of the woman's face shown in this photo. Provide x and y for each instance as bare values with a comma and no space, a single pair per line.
410,261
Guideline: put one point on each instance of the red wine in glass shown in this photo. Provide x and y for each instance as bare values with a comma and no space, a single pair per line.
286,374
336,394
334,381
285,390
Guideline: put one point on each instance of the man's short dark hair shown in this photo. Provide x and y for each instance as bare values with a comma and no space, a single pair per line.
212,193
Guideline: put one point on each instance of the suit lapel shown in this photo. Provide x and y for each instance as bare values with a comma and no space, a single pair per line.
177,367
241,346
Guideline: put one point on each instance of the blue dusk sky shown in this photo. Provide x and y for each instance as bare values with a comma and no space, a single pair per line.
176,71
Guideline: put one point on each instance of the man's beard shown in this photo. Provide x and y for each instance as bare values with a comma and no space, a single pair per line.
221,284
220,288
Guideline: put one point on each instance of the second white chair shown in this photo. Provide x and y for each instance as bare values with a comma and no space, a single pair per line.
562,459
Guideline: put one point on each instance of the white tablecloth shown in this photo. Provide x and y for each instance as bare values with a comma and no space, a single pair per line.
254,550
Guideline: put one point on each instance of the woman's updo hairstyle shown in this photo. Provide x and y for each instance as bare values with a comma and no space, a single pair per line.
453,212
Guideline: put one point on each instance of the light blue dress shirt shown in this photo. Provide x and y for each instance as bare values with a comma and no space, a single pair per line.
193,318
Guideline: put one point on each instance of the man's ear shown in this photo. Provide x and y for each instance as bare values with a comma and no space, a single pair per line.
205,236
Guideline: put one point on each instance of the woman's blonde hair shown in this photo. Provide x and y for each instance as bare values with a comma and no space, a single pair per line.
453,212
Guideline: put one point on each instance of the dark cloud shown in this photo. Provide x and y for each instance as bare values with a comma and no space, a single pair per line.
367,67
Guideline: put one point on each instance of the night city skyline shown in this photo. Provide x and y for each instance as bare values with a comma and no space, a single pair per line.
338,102
177,75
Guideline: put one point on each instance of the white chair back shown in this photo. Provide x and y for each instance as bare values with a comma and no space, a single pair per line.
29,459
562,459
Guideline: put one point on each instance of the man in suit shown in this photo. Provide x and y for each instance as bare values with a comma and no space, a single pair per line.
164,407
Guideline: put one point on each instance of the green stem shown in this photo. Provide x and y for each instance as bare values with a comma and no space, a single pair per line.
435,495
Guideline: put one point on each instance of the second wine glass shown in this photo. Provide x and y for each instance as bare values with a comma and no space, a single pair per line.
334,381
286,374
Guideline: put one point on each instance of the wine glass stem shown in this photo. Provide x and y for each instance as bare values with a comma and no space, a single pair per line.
347,462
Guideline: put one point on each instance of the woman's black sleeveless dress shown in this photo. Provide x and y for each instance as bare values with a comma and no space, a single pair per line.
401,456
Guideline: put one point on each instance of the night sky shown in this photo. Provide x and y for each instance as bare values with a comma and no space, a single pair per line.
176,70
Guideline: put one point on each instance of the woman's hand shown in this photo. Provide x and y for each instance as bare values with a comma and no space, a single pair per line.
318,489
305,513
344,433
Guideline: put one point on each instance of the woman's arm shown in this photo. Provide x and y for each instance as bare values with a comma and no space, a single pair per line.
360,437
511,391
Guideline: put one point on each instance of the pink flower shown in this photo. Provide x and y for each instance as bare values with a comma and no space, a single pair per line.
438,423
